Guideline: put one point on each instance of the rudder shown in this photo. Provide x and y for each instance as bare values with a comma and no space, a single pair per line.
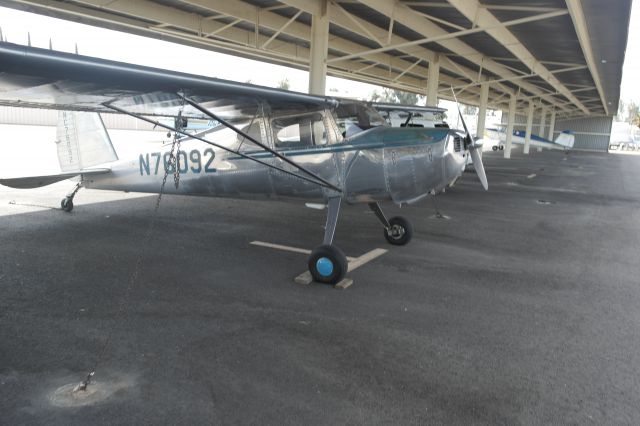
82,141
565,139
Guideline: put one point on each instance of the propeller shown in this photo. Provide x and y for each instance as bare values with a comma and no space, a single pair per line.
474,148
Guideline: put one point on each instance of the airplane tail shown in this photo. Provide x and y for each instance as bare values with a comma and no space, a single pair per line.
82,141
566,139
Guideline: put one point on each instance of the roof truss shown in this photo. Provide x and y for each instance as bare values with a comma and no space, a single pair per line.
389,43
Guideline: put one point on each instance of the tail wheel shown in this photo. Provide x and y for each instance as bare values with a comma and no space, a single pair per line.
399,232
328,264
66,204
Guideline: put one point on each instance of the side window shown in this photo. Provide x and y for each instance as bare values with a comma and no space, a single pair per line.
255,132
299,131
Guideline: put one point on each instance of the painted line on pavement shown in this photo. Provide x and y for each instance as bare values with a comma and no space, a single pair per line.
287,248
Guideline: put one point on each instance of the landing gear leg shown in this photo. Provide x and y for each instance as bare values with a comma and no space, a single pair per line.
67,202
327,263
397,230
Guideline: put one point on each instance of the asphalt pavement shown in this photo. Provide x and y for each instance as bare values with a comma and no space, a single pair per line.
523,307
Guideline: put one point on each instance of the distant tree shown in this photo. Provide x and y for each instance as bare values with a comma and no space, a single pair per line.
374,96
394,96
621,110
284,84
406,97
469,110
636,121
633,110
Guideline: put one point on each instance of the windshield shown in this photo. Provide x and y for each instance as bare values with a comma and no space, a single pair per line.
353,117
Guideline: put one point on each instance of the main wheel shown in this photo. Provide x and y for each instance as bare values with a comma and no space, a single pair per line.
501,147
327,264
66,204
494,148
400,231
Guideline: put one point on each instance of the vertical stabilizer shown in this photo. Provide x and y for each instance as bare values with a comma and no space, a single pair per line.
82,141
565,139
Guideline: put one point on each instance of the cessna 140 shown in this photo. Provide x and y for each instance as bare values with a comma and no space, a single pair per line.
265,144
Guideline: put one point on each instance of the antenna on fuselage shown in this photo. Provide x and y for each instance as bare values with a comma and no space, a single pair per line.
29,39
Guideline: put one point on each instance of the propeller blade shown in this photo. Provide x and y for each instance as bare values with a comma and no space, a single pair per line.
473,148
479,167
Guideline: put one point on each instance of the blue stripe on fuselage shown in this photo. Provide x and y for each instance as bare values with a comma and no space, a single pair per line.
401,139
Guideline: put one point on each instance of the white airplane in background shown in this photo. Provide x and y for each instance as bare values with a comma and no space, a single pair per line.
563,141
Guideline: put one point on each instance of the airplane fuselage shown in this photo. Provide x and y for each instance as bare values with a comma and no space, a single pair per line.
380,164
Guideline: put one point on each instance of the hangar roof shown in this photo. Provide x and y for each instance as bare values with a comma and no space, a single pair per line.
565,54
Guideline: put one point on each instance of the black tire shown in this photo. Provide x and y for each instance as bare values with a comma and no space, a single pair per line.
400,232
66,204
501,147
328,264
494,148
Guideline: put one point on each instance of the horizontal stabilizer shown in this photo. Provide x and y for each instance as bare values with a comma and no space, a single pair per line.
38,181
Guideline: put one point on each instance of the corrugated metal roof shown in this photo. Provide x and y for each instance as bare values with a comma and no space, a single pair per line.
358,26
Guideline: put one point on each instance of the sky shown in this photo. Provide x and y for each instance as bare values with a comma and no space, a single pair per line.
630,89
126,47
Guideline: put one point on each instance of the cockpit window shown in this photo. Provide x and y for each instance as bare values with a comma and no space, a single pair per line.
300,131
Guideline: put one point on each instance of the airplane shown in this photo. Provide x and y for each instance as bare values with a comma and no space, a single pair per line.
400,115
563,141
267,144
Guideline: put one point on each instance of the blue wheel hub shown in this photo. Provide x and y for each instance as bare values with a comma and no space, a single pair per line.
324,266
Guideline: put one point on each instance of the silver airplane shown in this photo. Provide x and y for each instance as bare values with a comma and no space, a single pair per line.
264,143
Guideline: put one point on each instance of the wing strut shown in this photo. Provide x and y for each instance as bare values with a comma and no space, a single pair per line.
321,182
252,139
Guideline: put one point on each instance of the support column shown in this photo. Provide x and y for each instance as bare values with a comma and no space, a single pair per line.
319,49
543,119
482,110
552,124
527,136
432,82
510,121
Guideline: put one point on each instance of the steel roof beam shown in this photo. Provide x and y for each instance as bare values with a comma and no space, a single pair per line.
540,9
580,24
457,34
474,11
366,29
235,40
244,11
274,22
407,16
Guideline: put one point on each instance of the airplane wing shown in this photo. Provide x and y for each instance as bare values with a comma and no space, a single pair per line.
381,106
40,78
